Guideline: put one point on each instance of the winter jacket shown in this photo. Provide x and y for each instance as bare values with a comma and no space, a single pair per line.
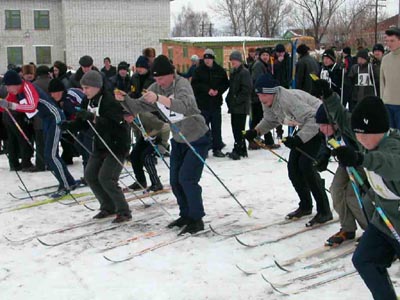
109,73
238,98
139,83
258,69
305,66
189,72
109,123
204,79
384,162
123,84
294,108
183,113
71,99
333,74
390,87
283,71
363,86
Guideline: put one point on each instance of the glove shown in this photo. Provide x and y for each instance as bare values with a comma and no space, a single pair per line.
84,115
3,103
348,157
292,142
321,88
321,164
64,125
250,134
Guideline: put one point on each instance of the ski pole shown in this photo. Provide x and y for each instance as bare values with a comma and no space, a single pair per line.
179,132
122,165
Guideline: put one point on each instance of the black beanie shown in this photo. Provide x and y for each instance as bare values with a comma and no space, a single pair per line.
123,65
266,84
302,49
378,47
162,66
280,48
363,53
264,50
330,54
56,85
370,116
86,61
347,50
12,78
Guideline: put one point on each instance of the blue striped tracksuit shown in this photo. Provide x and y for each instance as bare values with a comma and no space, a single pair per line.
51,116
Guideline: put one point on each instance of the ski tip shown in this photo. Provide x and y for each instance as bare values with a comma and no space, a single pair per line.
43,243
114,260
280,266
247,273
273,286
243,243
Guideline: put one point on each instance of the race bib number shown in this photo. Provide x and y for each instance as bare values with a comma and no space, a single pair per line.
325,75
364,79
171,115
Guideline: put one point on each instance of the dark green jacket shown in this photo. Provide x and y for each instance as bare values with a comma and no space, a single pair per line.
238,99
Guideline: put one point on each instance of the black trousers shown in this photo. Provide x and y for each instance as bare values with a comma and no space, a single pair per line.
238,123
305,178
17,146
255,118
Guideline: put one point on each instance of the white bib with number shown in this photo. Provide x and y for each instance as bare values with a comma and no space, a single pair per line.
379,186
171,115
364,79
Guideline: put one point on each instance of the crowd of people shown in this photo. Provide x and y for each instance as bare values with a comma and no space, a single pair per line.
351,100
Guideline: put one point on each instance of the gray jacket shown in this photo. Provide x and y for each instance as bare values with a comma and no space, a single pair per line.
192,126
294,108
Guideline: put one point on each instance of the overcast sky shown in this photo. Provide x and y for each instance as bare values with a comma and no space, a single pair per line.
392,7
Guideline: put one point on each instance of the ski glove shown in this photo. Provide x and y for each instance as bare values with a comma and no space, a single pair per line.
64,125
321,164
292,142
250,134
322,89
348,157
84,115
6,104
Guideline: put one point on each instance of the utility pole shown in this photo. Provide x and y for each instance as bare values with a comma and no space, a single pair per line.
376,18
210,29
202,28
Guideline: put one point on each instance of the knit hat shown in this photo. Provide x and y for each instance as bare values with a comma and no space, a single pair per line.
56,85
378,47
123,65
28,69
363,53
12,78
280,48
92,78
236,55
264,50
320,115
347,50
209,53
302,49
142,62
162,66
61,67
330,54
42,70
86,61
194,58
266,84
370,116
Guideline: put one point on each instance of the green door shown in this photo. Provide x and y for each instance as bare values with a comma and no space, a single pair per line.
219,56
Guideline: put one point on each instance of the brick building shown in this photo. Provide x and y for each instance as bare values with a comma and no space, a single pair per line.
43,31
180,49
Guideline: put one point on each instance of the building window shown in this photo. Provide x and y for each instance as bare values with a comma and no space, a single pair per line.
185,52
13,19
43,55
42,19
14,55
171,53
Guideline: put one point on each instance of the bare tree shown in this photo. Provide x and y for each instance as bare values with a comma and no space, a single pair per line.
270,14
240,14
319,14
190,23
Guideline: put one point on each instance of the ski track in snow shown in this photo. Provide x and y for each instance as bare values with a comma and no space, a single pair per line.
196,268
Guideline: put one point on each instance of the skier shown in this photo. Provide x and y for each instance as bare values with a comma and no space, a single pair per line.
378,246
295,107
173,95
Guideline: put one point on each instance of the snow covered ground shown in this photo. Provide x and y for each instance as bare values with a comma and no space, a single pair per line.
195,268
